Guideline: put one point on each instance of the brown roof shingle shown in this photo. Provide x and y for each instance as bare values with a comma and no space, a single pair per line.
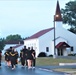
62,45
40,33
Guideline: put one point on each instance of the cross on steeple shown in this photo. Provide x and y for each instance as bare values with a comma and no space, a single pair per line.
58,16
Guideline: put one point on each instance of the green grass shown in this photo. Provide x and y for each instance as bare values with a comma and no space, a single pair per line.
71,71
50,61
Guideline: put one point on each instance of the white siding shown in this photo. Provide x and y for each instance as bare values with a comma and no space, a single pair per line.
69,36
34,43
46,40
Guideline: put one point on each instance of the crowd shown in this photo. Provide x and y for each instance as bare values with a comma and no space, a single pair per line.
26,56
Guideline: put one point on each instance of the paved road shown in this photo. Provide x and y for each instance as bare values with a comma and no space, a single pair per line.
24,71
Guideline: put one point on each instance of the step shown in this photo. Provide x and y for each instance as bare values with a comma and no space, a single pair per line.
63,64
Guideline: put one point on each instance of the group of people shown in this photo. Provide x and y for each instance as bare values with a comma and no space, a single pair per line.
26,56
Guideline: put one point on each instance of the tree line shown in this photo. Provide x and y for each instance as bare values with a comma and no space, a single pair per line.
15,37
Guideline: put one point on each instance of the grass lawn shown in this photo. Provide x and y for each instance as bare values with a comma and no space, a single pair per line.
50,61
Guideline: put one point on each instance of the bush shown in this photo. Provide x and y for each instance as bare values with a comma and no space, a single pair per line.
50,56
74,54
42,54
71,54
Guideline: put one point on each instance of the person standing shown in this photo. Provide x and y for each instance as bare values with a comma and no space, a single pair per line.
0,57
23,56
7,56
34,57
29,58
13,58
16,57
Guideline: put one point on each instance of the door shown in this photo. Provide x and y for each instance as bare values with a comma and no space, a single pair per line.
60,52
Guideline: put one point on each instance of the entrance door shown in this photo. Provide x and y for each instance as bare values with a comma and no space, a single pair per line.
60,52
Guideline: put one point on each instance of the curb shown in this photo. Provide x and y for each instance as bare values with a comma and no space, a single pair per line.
63,64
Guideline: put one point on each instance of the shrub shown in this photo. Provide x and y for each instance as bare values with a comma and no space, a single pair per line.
42,54
71,55
50,56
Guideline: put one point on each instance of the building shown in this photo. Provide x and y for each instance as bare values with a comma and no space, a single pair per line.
17,45
43,41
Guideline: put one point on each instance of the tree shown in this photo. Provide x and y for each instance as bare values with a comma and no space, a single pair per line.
69,15
2,43
16,37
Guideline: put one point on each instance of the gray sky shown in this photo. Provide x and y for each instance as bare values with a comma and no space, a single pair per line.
26,17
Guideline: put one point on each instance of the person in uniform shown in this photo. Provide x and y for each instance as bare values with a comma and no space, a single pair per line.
29,58
13,58
16,57
34,57
7,56
23,56
0,57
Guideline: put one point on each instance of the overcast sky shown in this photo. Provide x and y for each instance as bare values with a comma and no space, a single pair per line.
26,17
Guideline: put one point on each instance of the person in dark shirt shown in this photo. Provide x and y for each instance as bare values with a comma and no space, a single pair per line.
13,58
34,57
7,56
29,58
23,56
0,57
16,57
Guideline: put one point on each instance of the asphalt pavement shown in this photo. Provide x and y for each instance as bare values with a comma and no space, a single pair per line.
39,70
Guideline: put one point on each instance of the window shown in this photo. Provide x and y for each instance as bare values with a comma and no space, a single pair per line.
47,49
71,48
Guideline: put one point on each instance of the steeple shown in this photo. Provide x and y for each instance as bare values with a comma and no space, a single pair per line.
58,16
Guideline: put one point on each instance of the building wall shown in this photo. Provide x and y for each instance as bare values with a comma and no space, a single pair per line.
32,43
69,36
45,41
58,40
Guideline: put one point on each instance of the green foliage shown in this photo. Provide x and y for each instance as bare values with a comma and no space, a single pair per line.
69,15
42,54
13,37
2,43
74,54
50,56
50,61
72,30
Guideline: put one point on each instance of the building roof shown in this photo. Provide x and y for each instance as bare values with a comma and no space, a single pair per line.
57,16
14,42
62,45
40,33
16,46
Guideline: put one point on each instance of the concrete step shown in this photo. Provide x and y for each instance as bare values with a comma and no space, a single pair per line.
63,64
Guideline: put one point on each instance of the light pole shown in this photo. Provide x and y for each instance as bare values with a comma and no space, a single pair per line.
54,56
55,17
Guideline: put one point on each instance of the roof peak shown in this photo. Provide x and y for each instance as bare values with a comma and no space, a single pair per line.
58,16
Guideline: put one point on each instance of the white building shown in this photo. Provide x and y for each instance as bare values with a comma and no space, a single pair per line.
17,45
43,41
